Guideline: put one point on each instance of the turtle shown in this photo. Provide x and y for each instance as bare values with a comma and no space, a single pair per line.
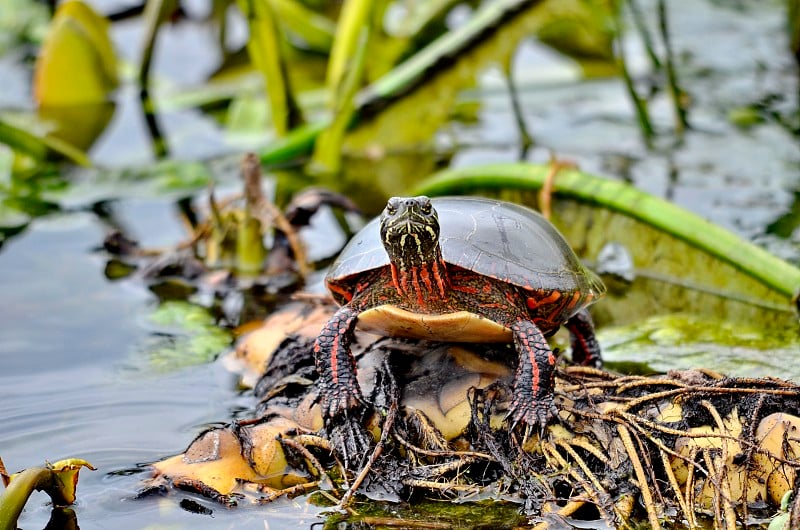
462,269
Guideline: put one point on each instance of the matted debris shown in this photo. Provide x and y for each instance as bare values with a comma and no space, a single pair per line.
690,447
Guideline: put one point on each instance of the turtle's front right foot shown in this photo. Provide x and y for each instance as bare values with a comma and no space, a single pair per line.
343,407
349,439
344,411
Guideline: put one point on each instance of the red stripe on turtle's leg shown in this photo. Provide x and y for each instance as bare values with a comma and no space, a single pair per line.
585,348
532,403
339,390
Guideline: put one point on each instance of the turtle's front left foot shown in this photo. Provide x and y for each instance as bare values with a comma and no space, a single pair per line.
532,405
532,413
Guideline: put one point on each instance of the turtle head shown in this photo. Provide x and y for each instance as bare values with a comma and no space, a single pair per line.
410,231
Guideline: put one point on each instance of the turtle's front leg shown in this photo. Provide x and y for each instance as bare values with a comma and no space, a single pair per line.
343,406
532,403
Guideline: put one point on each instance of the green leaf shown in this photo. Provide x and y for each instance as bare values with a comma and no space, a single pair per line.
188,335
59,480
77,64
37,147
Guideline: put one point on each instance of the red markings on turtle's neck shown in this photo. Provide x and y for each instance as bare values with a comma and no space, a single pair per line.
422,285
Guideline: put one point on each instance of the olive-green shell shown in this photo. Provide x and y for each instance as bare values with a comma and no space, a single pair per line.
493,238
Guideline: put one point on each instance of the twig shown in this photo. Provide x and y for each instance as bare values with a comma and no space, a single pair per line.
468,489
673,482
293,491
551,452
440,453
546,193
641,477
402,523
313,462
386,428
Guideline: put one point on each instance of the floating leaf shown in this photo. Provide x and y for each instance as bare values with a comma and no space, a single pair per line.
187,335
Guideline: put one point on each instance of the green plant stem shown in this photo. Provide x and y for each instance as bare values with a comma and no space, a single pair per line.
155,12
40,148
647,40
675,92
13,499
316,30
658,213
328,148
639,104
297,143
525,140
403,78
354,17
265,48
407,74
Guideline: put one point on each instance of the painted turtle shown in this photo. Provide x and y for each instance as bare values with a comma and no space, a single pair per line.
457,269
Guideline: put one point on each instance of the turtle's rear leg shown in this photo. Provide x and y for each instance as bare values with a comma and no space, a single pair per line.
585,348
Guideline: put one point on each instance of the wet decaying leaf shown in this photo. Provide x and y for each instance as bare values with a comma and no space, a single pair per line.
689,445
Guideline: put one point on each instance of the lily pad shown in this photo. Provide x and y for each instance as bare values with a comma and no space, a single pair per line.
185,335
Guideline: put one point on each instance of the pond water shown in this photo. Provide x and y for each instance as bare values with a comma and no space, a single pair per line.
80,375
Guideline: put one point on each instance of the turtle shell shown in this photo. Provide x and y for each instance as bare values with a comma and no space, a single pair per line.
492,238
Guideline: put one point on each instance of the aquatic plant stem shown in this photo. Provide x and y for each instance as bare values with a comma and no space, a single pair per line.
644,33
327,156
355,16
525,140
265,48
618,196
639,104
58,480
155,12
674,90
40,148
403,78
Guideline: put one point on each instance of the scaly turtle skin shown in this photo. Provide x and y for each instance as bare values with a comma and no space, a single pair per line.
456,269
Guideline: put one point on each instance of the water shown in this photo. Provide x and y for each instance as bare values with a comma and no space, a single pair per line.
75,376
75,380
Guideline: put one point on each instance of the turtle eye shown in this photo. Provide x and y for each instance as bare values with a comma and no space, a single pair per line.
391,209
426,207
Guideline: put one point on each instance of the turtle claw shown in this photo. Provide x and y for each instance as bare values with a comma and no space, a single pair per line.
350,441
532,413
344,413
344,403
